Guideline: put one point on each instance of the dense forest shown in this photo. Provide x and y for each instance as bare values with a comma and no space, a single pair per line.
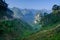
15,26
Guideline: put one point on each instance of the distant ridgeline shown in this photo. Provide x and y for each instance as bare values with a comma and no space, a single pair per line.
5,12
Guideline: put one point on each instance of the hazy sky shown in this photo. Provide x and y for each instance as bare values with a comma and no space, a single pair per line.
33,4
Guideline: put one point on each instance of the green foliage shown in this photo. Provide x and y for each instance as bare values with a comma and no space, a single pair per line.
50,26
14,29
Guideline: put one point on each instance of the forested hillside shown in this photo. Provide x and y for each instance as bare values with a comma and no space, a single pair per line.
29,24
50,26
12,28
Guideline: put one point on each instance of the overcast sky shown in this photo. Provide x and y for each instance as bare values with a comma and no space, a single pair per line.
33,4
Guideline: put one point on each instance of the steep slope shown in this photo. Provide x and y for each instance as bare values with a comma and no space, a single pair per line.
50,26
50,34
14,29
23,14
17,13
29,14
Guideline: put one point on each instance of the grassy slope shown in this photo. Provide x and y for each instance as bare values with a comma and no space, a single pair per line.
49,34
